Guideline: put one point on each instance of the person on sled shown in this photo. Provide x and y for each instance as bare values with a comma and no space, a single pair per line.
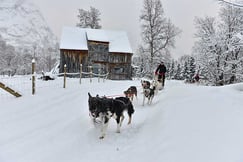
160,72
196,78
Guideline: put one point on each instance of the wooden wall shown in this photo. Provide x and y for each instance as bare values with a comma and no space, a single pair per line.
120,66
72,59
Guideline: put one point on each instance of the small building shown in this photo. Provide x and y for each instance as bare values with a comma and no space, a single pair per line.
105,50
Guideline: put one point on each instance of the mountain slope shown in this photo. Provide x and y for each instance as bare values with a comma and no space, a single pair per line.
23,26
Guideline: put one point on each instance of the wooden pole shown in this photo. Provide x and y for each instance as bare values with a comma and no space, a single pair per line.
81,68
90,71
99,75
33,76
10,90
64,76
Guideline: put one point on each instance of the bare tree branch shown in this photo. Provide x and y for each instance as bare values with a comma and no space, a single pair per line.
232,3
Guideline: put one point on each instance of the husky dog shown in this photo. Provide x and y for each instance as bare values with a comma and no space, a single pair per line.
157,86
148,92
105,108
131,92
145,84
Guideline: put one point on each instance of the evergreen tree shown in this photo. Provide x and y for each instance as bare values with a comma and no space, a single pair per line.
185,71
178,72
171,71
191,67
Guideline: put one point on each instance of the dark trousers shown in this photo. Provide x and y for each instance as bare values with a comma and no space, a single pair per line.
161,78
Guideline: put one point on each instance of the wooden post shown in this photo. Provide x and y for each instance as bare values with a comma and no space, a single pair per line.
90,73
33,76
10,90
99,75
80,73
64,76
104,78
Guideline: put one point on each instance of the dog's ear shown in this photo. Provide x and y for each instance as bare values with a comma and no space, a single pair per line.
89,94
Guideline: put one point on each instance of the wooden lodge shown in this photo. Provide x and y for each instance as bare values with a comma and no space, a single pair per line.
106,51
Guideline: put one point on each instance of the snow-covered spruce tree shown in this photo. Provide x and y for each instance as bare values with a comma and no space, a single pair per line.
158,33
185,71
187,67
171,70
178,72
89,18
191,67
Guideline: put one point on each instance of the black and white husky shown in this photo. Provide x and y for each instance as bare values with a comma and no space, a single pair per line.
105,108
148,92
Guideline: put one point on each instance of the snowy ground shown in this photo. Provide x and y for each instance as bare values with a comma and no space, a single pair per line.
185,123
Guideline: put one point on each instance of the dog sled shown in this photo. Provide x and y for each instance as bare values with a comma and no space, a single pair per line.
51,75
158,82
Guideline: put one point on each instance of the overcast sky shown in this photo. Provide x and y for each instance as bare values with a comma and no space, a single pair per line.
124,15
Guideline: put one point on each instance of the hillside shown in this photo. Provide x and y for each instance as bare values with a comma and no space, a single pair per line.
23,26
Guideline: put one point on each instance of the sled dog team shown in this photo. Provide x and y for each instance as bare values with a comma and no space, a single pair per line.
101,109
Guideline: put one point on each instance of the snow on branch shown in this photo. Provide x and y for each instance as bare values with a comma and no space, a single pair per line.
236,4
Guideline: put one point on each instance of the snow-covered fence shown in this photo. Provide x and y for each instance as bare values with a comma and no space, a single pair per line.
89,74
26,85
80,75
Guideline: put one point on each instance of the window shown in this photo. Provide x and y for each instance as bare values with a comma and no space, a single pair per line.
118,70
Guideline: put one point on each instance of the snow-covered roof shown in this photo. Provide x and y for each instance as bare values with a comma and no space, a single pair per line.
96,35
76,38
118,42
73,38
